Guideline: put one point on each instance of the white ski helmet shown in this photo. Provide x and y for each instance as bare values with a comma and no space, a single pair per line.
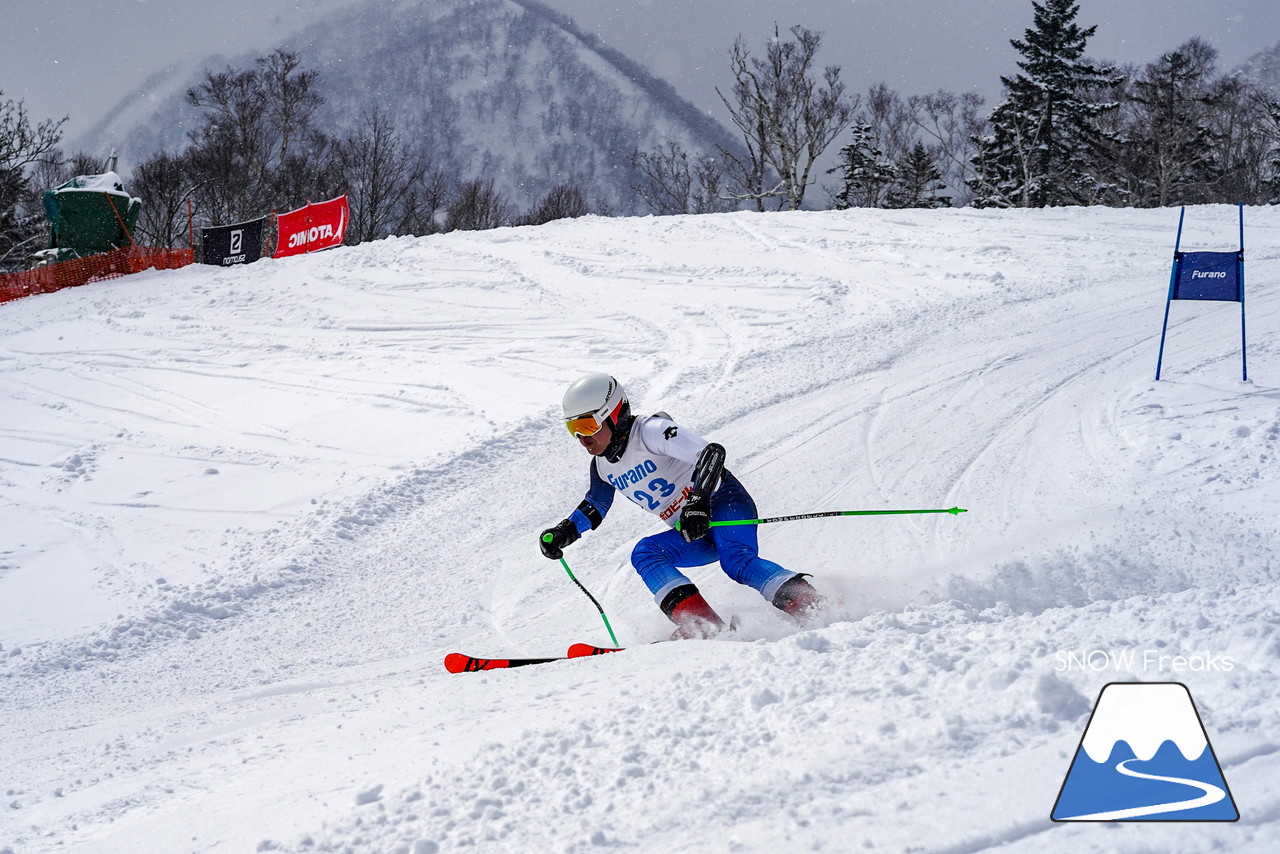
593,401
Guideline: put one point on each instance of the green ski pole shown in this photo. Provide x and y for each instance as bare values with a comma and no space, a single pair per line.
548,538
954,511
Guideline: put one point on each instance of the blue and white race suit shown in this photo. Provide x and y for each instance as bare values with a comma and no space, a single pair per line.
655,471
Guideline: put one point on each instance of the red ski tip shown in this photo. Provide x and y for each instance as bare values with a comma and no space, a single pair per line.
581,650
456,662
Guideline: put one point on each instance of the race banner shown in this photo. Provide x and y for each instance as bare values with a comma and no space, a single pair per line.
225,245
318,226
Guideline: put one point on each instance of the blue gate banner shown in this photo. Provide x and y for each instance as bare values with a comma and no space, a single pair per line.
1209,276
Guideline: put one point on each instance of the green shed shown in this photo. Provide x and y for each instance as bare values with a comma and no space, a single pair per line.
90,214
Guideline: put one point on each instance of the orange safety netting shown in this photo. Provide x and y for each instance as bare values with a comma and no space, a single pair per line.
92,268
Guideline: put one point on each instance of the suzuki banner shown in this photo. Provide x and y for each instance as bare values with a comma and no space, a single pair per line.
317,226
225,245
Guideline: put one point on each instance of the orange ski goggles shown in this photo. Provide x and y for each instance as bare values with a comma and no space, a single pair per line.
584,425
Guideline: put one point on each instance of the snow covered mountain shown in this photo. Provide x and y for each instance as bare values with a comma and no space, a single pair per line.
504,88
245,512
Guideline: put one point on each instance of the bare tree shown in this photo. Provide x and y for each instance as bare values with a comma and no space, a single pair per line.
1270,189
230,151
563,201
675,183
955,123
164,184
83,163
22,144
891,120
291,96
47,173
1246,141
20,231
380,177
750,171
309,174
426,209
477,206
257,147
787,118
51,170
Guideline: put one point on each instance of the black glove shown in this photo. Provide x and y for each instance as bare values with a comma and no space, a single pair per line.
695,519
553,540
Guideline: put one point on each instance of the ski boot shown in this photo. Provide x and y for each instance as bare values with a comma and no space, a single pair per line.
693,617
799,599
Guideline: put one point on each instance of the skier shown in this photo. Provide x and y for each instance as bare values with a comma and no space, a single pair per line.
677,475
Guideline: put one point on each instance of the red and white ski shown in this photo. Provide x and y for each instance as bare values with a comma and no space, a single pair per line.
456,662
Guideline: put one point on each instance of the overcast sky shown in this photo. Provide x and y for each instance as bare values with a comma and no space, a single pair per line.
78,57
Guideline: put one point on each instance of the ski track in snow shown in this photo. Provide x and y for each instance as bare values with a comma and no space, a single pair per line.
245,512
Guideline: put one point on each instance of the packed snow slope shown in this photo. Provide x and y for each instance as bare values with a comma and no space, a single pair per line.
244,513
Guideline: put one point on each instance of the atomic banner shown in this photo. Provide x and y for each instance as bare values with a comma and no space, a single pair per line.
316,226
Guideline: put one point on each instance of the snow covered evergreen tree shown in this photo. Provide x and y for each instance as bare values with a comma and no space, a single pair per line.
1045,142
1168,150
918,183
866,174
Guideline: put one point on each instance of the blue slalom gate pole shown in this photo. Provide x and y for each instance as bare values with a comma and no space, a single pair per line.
1244,363
1173,278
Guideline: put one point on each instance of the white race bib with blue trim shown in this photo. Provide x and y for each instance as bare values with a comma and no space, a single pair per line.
656,470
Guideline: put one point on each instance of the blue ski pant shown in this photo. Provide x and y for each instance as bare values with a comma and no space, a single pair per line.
659,558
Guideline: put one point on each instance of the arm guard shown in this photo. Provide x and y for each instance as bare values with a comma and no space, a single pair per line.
591,512
707,471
